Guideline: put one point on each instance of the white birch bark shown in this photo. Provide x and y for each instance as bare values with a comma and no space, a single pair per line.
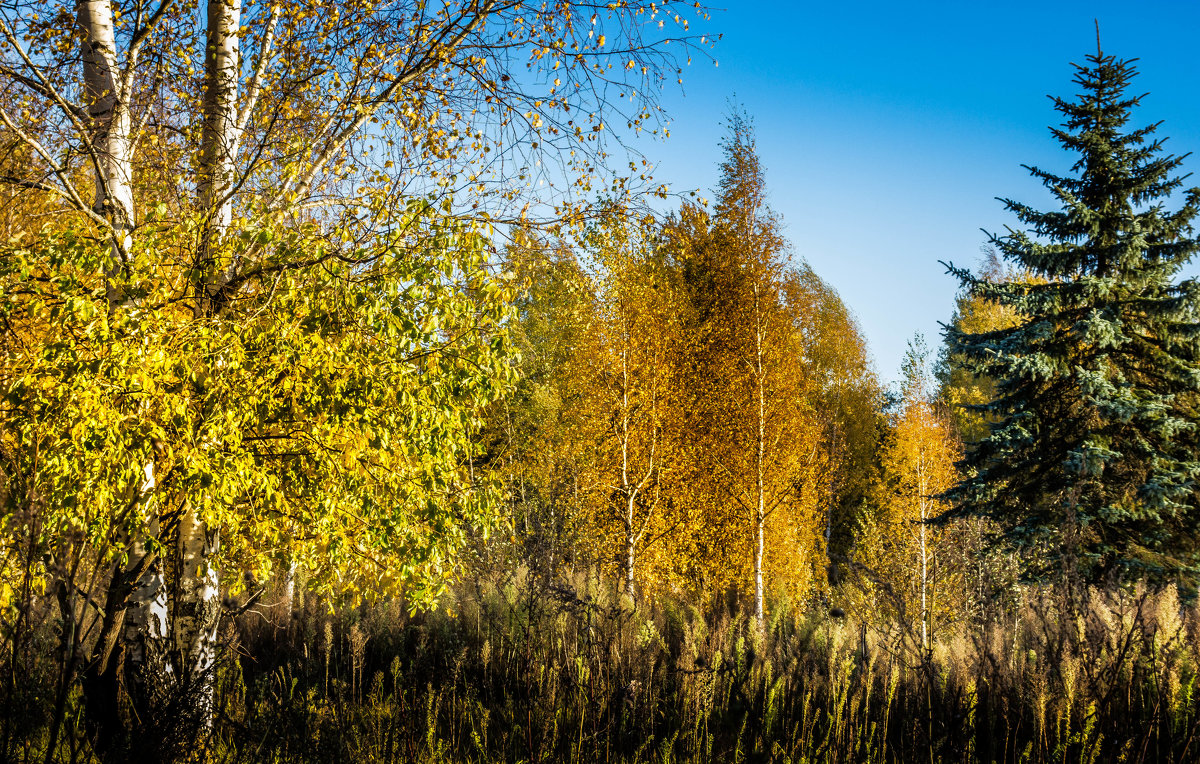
146,615
629,548
626,488
197,612
109,126
760,507
287,599
632,488
219,137
197,605
220,132
922,490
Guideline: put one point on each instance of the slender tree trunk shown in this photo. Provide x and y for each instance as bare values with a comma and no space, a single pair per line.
219,138
760,452
145,655
921,489
129,658
288,595
197,615
146,623
627,489
197,605
630,546
143,627
758,566
110,130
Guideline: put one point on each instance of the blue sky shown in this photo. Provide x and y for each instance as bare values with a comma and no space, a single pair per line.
888,129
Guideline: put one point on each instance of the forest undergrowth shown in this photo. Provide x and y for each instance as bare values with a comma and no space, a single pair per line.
522,669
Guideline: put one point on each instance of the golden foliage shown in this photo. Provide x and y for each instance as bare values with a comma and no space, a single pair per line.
909,559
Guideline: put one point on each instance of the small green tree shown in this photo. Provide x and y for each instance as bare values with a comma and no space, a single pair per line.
540,437
1092,453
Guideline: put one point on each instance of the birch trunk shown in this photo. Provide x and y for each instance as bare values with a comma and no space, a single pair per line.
146,615
197,605
627,489
287,599
219,138
922,490
110,123
197,593
760,453
630,544
111,151
758,567
166,650
197,614
137,614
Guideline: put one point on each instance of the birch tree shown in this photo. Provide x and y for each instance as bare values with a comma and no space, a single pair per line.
266,158
905,552
542,437
758,436
633,351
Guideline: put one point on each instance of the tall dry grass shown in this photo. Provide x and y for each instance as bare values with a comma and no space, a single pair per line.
519,670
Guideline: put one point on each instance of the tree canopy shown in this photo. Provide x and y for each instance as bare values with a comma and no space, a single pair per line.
260,328
1093,455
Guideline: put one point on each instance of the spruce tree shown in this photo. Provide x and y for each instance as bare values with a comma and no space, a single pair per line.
1092,458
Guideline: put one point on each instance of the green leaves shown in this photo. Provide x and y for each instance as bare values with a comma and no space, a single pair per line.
1096,362
326,417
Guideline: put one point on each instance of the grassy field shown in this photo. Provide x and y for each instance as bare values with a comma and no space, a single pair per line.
519,670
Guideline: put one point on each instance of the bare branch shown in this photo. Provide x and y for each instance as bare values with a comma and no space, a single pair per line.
428,61
255,85
68,190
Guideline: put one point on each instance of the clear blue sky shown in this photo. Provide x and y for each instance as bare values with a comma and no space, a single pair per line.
887,129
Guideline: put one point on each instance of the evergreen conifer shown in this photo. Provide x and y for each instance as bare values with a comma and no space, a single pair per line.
1092,457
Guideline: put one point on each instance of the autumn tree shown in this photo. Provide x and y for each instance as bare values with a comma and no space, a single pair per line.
630,387
754,429
587,436
245,264
541,438
1093,453
991,574
645,348
902,552
964,392
330,421
847,398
